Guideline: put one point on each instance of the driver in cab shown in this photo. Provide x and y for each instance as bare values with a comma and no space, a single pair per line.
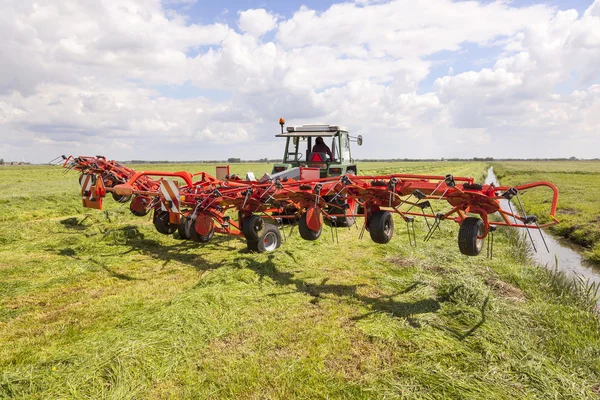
321,147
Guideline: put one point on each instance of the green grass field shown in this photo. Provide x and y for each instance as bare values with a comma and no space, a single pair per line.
97,304
579,186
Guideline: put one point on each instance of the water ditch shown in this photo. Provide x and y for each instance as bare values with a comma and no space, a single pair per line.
570,260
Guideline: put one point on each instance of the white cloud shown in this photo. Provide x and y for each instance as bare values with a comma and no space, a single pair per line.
404,28
517,98
257,22
88,76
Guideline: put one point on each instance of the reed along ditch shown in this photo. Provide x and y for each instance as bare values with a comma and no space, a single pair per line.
561,252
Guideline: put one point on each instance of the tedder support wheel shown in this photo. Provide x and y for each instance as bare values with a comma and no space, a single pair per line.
251,227
183,228
195,236
352,209
120,199
305,232
269,239
162,223
469,242
138,206
381,226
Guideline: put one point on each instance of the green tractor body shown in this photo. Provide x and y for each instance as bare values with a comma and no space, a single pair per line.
299,144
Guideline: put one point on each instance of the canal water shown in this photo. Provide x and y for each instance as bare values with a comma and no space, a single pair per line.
569,258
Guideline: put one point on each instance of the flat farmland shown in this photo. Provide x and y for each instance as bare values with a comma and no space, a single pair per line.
97,304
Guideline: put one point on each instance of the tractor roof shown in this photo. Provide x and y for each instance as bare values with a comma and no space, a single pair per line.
312,130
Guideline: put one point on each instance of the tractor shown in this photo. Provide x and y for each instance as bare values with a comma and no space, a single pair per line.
299,154
299,144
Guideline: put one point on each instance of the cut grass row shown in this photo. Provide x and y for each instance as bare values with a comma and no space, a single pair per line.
579,186
99,305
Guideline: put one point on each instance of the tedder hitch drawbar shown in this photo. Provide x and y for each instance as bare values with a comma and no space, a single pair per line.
199,205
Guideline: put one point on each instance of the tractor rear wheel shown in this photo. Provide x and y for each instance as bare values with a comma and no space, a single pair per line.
162,223
381,226
469,241
305,232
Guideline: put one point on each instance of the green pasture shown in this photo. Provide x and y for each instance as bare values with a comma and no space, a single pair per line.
578,208
97,304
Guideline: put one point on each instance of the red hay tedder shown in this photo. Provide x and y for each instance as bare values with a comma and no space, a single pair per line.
199,205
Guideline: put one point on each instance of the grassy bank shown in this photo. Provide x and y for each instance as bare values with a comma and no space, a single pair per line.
99,305
579,186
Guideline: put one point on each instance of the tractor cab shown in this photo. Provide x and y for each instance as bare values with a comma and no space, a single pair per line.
301,140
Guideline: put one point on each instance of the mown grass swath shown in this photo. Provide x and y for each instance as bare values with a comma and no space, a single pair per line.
98,304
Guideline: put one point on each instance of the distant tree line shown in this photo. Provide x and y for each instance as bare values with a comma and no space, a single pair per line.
2,162
234,160
230,160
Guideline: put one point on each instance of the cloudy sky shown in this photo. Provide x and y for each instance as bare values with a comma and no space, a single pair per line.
199,79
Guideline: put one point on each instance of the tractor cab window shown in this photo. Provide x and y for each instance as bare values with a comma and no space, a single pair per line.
296,147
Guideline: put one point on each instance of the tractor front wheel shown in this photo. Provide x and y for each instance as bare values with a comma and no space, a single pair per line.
381,226
470,241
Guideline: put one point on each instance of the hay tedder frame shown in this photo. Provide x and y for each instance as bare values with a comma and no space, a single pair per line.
198,206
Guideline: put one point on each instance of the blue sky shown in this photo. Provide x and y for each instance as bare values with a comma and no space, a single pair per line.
208,11
205,12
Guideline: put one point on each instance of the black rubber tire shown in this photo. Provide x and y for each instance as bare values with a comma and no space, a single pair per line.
381,226
251,227
270,239
468,242
343,221
139,213
162,223
195,236
121,199
305,232
183,228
